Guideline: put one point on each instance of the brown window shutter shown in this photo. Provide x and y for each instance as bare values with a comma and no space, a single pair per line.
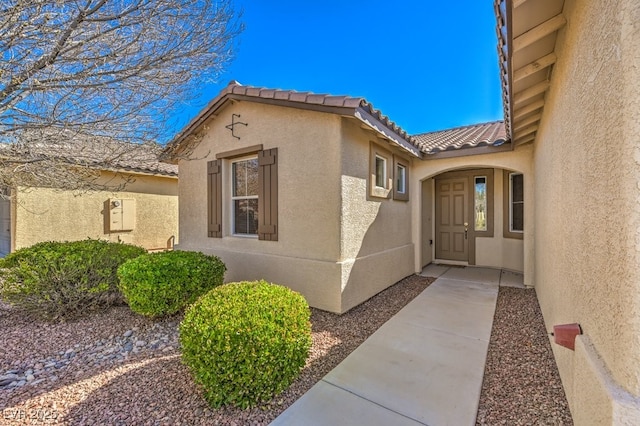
214,198
268,195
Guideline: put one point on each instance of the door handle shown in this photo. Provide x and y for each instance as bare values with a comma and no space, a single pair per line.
466,228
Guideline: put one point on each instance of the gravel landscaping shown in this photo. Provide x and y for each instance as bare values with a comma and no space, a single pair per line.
521,381
119,368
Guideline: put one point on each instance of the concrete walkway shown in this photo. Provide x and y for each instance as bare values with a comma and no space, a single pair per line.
422,367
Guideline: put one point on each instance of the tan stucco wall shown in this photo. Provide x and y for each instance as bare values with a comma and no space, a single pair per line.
335,246
426,221
43,214
305,257
376,243
497,251
587,167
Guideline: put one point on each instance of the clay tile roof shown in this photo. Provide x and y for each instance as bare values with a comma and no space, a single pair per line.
291,97
475,135
267,93
95,152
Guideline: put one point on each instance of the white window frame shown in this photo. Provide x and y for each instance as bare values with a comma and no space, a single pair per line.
243,197
511,203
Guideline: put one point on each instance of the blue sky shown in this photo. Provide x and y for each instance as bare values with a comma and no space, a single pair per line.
427,65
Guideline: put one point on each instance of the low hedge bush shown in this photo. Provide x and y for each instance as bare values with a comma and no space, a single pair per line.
164,283
63,280
246,342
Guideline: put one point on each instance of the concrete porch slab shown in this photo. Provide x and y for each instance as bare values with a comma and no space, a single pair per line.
469,292
433,270
512,279
469,273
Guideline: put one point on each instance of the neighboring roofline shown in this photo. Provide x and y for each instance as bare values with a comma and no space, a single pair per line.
135,172
348,106
96,165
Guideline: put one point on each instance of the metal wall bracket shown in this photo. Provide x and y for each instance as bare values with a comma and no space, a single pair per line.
233,124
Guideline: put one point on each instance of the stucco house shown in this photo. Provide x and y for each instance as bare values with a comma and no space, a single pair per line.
132,199
328,196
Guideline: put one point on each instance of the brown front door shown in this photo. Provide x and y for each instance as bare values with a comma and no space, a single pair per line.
452,212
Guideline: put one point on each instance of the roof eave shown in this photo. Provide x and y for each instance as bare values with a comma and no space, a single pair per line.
527,37
504,21
385,132
466,152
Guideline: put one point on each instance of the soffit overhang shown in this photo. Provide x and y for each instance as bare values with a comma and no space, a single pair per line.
527,36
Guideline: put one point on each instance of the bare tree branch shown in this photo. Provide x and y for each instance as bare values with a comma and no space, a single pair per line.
116,69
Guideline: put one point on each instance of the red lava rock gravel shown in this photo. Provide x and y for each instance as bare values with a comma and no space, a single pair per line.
521,381
117,368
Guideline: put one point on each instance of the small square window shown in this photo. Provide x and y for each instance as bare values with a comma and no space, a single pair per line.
381,172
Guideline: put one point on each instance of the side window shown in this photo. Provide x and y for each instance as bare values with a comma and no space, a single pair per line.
244,196
482,200
380,172
513,205
400,179
516,202
480,203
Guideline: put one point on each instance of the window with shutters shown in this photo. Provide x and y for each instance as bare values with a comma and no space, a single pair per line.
244,196
251,206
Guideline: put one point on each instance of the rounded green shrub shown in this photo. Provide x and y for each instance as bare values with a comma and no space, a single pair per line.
164,283
63,280
246,342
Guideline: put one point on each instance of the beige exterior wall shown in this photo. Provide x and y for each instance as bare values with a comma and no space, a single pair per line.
42,214
426,223
376,244
335,245
587,167
305,257
496,251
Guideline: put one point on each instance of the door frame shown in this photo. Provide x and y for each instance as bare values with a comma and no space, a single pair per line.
470,174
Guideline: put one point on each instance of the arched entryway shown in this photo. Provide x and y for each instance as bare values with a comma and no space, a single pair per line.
474,216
